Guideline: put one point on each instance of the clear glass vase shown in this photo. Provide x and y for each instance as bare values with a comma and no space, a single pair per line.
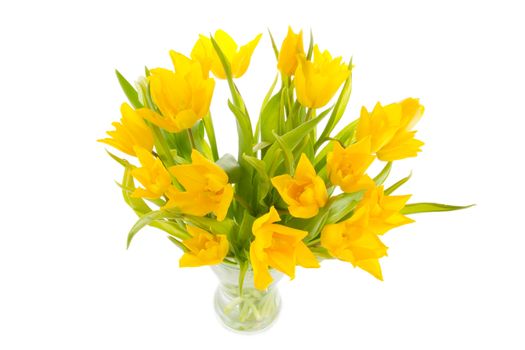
250,311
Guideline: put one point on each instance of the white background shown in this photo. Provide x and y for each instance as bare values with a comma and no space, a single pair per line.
452,280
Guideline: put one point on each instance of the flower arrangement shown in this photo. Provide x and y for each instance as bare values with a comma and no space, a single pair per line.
294,195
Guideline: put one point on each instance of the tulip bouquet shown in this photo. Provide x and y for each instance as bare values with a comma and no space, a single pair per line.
296,193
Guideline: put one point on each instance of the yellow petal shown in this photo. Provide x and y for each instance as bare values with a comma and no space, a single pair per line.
305,257
241,60
303,211
224,204
189,260
403,145
181,63
282,262
189,176
268,218
412,112
291,47
371,266
305,170
261,275
226,43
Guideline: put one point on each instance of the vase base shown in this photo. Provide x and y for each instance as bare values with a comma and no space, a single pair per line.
246,314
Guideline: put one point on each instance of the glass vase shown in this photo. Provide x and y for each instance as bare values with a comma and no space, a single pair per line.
251,310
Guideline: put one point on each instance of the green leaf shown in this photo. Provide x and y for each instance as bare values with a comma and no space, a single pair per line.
153,218
263,107
162,144
264,183
242,238
335,210
230,165
237,99
269,118
178,159
310,46
129,90
321,252
144,221
244,130
346,134
210,131
274,46
178,243
291,139
243,267
211,225
339,109
397,184
288,156
171,228
415,208
342,205
383,175
261,146
307,144
173,141
137,204
197,134
119,160
312,225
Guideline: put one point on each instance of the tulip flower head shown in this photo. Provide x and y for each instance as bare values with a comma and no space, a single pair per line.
152,175
353,241
277,246
389,129
206,188
317,81
291,48
182,97
347,166
130,132
238,57
305,192
384,210
203,248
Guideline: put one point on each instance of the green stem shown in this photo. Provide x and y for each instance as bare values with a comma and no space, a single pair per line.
310,114
243,202
314,241
192,140
162,147
210,131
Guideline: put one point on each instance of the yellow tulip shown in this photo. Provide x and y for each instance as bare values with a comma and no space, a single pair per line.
239,58
130,132
389,128
317,82
184,65
152,175
279,247
353,241
206,188
204,248
305,192
291,47
182,97
383,210
347,166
